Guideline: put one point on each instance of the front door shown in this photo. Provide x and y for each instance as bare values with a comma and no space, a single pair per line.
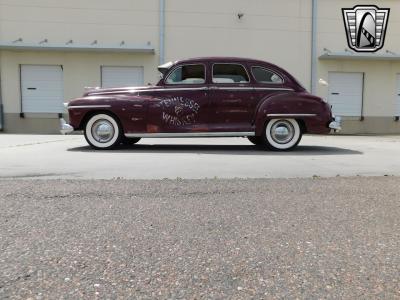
183,104
230,98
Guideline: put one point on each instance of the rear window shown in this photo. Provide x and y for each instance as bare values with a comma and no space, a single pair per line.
229,73
263,75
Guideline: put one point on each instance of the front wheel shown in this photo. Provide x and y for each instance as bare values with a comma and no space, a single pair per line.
282,134
102,131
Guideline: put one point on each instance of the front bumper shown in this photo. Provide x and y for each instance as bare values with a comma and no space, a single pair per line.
65,128
336,124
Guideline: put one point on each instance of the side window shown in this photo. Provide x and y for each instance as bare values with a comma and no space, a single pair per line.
189,74
266,76
229,73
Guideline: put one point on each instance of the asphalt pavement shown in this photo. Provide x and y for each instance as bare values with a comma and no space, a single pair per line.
82,224
334,238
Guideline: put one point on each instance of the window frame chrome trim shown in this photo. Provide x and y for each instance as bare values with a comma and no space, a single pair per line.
268,69
181,65
239,64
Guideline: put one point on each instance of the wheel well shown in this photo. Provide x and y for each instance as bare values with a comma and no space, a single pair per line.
302,125
90,114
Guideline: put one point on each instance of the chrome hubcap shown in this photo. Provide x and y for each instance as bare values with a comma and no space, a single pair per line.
282,132
103,131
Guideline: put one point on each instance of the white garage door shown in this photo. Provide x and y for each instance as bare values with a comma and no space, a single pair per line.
42,89
346,93
397,112
121,76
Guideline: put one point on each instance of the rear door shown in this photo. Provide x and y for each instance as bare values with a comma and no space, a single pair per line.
231,94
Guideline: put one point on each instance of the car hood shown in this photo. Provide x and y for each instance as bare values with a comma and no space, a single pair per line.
121,90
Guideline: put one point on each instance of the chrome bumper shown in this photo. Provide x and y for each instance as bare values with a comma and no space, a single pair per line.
336,124
65,128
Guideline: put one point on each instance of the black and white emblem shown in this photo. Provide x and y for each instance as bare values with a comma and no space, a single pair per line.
365,27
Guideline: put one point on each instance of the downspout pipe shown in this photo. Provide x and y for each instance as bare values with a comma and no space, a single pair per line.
314,47
1,103
162,32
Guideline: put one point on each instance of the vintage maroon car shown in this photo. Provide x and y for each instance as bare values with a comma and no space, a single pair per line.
204,97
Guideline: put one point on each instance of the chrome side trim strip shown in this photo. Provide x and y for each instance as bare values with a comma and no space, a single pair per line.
189,134
89,106
196,89
273,89
291,115
174,89
238,88
150,90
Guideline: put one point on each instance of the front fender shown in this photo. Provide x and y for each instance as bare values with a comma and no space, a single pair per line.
131,111
310,110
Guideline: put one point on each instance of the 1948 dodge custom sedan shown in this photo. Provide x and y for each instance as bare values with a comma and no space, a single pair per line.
204,97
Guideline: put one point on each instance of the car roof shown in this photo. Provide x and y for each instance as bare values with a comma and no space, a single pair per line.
222,59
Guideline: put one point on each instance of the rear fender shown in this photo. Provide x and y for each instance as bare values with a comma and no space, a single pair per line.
312,112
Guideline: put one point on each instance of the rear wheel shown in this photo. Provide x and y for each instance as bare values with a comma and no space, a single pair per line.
102,131
256,140
282,134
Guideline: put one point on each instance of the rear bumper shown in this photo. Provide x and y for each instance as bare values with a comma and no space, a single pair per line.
65,128
336,124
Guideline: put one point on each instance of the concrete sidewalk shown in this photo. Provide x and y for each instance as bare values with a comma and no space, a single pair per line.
56,156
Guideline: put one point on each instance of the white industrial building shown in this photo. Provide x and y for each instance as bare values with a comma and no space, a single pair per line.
51,50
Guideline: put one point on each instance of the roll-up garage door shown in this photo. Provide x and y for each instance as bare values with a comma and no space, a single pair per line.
42,89
346,93
121,76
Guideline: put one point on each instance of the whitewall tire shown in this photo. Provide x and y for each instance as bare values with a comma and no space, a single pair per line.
282,134
102,131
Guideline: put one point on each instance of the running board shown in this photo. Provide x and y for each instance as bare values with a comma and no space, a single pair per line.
188,134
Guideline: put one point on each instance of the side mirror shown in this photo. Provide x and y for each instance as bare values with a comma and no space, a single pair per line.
323,82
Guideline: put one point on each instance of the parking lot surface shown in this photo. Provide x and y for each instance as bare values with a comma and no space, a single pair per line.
69,157
332,238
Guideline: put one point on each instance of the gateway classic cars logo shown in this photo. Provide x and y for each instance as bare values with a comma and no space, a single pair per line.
366,27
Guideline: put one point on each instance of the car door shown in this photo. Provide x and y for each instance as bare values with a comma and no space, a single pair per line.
230,95
182,105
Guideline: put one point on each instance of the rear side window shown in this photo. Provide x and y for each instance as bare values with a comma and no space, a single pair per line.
266,76
229,73
187,74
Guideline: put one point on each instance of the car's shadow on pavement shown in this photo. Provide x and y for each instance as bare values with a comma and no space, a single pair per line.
220,149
